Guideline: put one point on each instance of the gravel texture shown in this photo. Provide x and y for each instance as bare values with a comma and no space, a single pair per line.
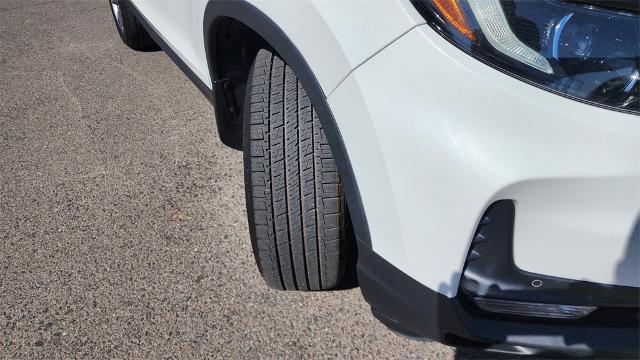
123,227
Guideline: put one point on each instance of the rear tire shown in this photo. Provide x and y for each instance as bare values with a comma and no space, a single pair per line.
295,202
131,31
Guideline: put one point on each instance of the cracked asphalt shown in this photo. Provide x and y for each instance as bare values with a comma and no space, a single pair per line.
122,217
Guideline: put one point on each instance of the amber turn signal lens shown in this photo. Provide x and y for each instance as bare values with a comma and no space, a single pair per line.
452,12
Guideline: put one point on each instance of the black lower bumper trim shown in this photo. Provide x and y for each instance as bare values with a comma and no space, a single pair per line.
408,307
491,272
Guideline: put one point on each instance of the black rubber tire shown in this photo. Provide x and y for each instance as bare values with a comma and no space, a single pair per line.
131,31
295,202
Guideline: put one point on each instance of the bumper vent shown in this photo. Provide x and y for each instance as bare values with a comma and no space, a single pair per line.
494,284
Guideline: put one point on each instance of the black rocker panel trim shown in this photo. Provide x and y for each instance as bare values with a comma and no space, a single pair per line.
247,14
204,89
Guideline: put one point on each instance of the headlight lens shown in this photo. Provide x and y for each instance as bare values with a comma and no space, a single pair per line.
589,53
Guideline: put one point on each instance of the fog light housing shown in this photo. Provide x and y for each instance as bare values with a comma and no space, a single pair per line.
493,284
541,310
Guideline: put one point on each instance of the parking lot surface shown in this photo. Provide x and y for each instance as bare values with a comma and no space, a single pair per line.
122,216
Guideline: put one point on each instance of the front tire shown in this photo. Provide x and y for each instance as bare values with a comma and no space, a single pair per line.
295,202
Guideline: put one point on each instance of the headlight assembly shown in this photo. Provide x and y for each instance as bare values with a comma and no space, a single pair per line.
588,50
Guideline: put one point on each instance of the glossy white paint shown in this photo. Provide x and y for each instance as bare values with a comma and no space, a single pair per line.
333,36
435,136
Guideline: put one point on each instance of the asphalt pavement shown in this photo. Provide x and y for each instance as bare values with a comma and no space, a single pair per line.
123,229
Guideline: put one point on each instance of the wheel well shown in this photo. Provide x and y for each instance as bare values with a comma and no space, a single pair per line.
236,46
234,32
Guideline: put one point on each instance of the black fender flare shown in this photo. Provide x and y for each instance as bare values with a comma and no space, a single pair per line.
255,19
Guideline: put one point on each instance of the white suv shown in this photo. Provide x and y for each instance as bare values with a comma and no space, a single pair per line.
478,159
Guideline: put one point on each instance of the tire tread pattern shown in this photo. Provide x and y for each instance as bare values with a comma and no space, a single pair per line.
294,193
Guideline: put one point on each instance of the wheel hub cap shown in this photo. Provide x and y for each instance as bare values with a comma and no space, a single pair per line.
117,14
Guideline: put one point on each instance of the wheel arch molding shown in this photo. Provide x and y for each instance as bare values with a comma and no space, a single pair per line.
275,39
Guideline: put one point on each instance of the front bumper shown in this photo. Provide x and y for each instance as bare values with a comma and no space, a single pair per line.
435,137
412,309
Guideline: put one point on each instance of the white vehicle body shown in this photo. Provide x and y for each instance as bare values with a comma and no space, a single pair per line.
434,137
427,166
